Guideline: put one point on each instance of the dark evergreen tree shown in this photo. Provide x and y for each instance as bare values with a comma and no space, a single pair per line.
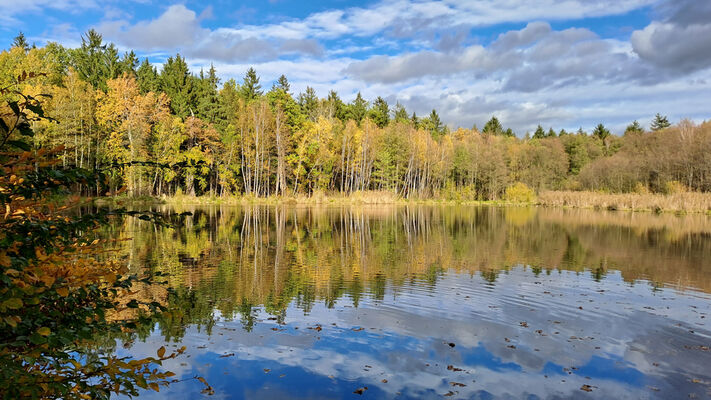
634,127
207,99
660,122
509,132
551,133
357,109
128,63
147,77
308,101
539,133
335,106
20,41
251,89
601,132
435,125
380,112
283,84
95,61
414,120
493,127
177,82
400,113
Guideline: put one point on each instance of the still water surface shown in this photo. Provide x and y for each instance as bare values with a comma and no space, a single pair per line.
426,302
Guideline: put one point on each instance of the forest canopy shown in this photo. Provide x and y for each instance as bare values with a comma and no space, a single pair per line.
172,131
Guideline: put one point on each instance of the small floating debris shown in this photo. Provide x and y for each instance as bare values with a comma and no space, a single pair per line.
361,390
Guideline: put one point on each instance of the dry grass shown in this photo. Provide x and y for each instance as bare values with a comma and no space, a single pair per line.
678,202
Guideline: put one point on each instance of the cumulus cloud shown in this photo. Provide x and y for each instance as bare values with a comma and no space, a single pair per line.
179,28
680,42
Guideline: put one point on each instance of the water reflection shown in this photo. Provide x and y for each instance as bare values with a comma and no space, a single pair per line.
317,302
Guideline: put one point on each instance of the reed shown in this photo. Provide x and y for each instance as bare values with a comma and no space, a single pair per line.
689,202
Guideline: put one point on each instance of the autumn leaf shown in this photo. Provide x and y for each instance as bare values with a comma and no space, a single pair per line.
161,351
44,331
13,303
63,291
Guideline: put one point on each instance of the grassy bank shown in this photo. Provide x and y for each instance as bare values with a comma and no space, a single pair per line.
689,202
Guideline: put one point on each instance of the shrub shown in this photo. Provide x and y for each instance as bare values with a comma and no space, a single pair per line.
674,187
519,193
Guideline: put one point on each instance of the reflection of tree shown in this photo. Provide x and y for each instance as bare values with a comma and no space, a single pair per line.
235,260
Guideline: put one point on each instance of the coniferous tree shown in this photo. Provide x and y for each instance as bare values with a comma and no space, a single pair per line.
357,109
551,133
207,99
20,41
435,125
251,89
634,127
493,127
601,132
308,101
380,112
335,106
177,82
400,114
128,63
283,84
147,77
539,133
660,122
414,120
95,61
509,133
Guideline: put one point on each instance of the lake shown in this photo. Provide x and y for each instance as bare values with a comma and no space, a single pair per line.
289,302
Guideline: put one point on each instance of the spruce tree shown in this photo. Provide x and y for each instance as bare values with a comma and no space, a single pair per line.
177,82
539,133
251,89
660,122
357,109
380,112
634,127
147,77
493,127
400,114
283,84
20,41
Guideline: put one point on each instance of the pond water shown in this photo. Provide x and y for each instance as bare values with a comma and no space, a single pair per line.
429,302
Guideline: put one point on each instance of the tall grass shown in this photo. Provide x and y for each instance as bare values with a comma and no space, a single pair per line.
676,202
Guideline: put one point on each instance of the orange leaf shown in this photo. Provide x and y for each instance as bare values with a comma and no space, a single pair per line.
161,351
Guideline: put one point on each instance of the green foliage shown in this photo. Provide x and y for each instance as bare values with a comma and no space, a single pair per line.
660,123
380,112
493,127
179,84
250,89
634,128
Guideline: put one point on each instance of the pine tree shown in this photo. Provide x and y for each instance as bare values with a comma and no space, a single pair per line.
434,123
207,99
147,77
380,112
129,63
414,120
539,133
177,82
660,122
601,132
251,89
400,114
509,133
20,41
336,108
283,84
634,127
94,61
551,133
308,101
493,127
357,109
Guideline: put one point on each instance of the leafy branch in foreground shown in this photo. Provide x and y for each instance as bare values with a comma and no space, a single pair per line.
60,291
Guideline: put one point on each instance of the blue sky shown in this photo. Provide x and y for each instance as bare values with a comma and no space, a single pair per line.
560,63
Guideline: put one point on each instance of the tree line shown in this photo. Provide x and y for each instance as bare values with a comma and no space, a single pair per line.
170,131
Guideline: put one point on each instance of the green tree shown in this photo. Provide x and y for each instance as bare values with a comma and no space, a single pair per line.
251,89
539,133
308,101
601,132
95,61
147,77
493,127
283,84
660,123
179,84
634,127
20,42
380,112
357,109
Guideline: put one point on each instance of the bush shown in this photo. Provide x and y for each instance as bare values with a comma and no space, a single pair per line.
519,193
674,187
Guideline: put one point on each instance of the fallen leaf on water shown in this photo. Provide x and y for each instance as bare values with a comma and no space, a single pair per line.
586,388
451,344
523,324
453,368
266,370
507,340
450,393
282,375
227,355
384,381
357,329
511,346
457,384
361,390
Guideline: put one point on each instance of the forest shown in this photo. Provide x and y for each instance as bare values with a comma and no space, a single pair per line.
172,131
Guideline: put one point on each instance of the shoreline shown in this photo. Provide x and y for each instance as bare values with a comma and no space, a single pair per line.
680,203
